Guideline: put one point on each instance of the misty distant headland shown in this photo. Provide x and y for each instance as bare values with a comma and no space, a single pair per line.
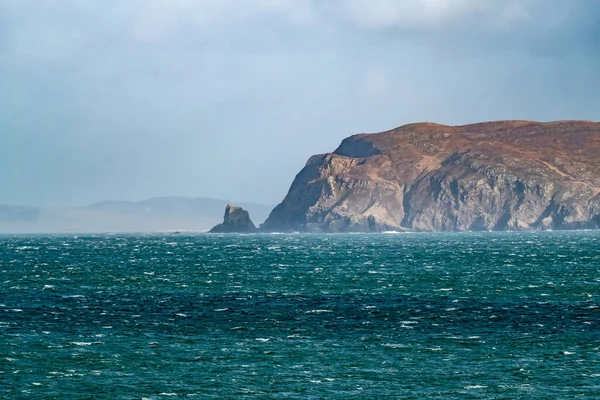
153,215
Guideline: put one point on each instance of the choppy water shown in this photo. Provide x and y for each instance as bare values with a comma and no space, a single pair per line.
457,316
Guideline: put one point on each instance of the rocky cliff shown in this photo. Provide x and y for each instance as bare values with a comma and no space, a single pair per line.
506,175
236,220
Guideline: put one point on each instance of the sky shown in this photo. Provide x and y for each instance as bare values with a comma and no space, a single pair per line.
131,99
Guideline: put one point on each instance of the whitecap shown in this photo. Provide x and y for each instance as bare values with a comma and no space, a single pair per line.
395,345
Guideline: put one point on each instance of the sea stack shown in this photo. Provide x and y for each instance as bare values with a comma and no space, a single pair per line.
504,175
236,220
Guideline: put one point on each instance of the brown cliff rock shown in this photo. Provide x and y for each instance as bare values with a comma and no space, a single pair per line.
505,175
236,220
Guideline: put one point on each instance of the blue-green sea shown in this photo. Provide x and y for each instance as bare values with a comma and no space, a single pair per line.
381,316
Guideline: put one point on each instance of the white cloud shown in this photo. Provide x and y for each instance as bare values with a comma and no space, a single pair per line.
163,15
156,18
55,30
159,18
428,14
386,13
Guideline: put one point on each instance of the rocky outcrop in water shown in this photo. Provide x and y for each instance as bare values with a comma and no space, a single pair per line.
236,220
506,175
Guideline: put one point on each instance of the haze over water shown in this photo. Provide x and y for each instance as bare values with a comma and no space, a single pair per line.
460,316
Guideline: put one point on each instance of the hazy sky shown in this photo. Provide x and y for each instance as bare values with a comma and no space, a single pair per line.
129,99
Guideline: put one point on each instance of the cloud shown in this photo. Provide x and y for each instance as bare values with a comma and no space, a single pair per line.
56,29
427,15
159,18
409,13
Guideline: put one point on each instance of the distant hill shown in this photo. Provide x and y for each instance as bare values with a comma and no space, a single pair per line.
157,214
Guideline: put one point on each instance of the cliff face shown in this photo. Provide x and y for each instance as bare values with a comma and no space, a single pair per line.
236,220
506,175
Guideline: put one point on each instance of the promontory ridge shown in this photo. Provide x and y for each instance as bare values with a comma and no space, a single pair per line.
505,175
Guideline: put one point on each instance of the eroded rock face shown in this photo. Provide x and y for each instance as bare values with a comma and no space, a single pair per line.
506,175
236,220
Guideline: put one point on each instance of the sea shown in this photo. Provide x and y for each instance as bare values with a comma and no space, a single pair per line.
491,315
